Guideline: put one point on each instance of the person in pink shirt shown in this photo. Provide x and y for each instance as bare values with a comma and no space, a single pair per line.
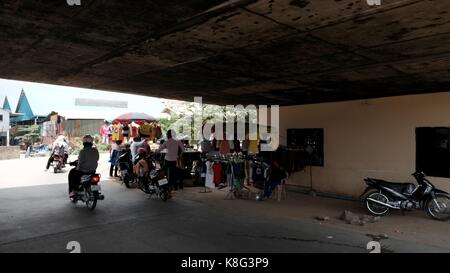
105,132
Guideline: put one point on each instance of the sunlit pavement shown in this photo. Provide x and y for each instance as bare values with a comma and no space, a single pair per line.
36,216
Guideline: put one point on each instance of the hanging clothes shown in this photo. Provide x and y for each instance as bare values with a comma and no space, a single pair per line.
237,146
126,131
146,130
223,180
134,131
260,171
251,145
231,145
203,169
229,172
116,131
209,179
224,147
217,169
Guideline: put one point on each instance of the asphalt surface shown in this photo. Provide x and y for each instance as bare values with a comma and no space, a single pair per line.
40,218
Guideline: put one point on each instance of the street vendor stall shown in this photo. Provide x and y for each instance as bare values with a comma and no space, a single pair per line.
127,126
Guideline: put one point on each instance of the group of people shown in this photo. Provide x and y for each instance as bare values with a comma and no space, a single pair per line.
137,155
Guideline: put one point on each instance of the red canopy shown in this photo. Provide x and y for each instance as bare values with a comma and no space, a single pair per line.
136,117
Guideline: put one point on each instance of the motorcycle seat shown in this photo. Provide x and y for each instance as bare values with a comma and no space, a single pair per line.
405,188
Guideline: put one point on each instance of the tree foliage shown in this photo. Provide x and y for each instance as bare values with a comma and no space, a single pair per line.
180,113
28,134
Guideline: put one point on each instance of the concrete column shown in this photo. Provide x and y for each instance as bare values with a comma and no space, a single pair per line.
7,137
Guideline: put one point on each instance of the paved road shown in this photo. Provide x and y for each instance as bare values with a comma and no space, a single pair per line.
41,219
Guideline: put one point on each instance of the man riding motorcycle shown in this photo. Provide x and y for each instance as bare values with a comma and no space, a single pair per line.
87,163
60,147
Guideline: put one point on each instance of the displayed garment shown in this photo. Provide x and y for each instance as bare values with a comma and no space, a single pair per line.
209,179
203,169
245,144
292,160
145,130
116,132
260,171
237,146
158,131
224,147
151,131
229,172
250,146
152,134
134,131
253,147
217,169
231,144
126,131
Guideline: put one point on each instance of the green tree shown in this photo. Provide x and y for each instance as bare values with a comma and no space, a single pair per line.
28,134
211,113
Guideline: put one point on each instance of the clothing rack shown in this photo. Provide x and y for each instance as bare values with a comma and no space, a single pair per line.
205,189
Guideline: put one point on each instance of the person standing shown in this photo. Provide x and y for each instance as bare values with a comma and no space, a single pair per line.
137,143
105,132
114,157
174,150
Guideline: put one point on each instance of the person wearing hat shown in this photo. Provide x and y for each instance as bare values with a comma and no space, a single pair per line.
87,163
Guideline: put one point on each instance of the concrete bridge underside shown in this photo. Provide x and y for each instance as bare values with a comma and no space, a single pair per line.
246,51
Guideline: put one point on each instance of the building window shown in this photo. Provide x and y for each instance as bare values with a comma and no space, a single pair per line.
1,117
311,141
432,151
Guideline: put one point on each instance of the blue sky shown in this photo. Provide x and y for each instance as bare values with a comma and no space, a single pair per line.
45,98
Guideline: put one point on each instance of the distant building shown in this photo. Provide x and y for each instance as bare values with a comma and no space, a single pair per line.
5,126
77,124
27,116
6,105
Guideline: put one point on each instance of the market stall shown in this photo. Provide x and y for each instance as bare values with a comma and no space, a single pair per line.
130,125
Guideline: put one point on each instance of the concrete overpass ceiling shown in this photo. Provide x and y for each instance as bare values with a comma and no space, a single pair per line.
246,51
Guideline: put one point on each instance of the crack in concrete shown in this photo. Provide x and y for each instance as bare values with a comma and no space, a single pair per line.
295,239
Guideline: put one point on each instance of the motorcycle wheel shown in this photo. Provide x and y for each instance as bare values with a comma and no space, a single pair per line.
164,195
55,170
91,202
142,186
439,214
377,209
126,181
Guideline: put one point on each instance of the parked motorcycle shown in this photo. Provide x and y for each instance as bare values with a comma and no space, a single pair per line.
156,183
382,196
126,170
88,190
